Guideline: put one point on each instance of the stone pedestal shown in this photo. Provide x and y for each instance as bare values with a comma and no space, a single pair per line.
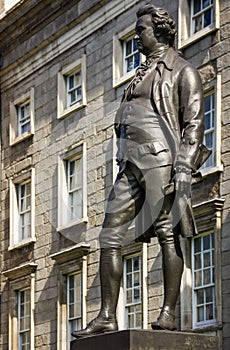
147,340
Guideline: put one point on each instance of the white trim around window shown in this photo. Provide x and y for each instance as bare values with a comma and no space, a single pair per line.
22,117
71,261
72,188
22,210
185,33
71,94
120,72
21,281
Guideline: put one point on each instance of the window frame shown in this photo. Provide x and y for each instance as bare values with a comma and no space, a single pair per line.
22,331
16,241
132,288
185,38
78,152
127,252
71,260
15,107
63,107
205,323
215,88
119,77
20,278
76,318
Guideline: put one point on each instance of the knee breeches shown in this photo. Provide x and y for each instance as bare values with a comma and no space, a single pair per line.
132,190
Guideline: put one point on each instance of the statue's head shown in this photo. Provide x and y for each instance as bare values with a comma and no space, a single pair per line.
164,26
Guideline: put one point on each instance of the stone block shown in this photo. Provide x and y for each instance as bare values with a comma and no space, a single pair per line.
143,340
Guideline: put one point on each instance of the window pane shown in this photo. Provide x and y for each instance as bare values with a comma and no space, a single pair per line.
136,294
129,265
130,65
209,312
206,3
200,314
197,6
129,281
206,242
197,261
138,320
136,263
128,47
207,276
209,294
209,140
131,321
198,278
200,296
207,18
136,60
129,296
198,23
207,259
197,243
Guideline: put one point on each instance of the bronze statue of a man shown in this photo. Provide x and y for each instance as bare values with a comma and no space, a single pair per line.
159,128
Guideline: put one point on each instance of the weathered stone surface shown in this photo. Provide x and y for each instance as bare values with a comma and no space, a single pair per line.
147,340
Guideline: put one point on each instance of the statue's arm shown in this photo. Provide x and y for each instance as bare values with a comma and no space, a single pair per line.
191,117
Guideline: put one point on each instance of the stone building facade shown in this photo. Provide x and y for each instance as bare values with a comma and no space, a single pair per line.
64,66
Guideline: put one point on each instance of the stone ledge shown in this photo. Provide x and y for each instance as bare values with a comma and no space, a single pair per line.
147,340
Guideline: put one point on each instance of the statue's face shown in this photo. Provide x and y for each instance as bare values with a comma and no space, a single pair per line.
145,37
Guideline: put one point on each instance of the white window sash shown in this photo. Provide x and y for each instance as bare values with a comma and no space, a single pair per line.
132,288
22,330
76,318
205,322
65,193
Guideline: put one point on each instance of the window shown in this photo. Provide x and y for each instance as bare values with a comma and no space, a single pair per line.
196,18
21,303
22,210
212,126
74,302
201,14
131,56
22,118
126,57
24,321
203,280
72,205
72,88
72,291
209,128
201,305
133,292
